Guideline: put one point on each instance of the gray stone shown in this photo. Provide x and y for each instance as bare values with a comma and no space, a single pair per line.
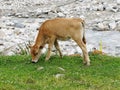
19,25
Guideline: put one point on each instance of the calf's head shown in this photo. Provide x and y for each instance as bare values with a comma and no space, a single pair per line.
35,53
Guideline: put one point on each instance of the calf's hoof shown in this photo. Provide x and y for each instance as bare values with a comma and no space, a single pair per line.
46,59
87,63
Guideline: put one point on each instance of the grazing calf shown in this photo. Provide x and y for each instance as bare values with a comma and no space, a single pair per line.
60,29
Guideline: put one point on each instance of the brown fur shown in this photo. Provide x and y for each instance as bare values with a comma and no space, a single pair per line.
60,29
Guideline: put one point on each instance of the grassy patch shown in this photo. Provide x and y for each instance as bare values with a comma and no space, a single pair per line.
68,73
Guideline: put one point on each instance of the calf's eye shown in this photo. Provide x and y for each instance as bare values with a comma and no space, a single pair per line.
41,47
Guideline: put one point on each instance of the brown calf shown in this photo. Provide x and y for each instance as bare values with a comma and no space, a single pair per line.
60,29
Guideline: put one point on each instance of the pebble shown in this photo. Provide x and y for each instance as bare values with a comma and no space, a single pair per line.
57,76
40,68
62,69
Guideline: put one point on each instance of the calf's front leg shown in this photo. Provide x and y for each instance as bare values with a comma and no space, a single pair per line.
50,45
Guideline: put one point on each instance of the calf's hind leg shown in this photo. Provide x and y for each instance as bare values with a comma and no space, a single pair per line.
82,45
57,47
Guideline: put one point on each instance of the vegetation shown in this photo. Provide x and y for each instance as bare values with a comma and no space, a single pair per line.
68,73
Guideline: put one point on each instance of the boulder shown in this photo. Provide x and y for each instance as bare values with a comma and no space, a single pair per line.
101,26
118,2
115,9
2,34
112,25
1,47
60,14
112,7
19,25
19,31
118,26
99,7
9,23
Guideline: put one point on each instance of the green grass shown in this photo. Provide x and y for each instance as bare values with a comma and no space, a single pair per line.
17,73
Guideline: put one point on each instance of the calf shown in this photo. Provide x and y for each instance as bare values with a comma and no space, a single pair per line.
60,29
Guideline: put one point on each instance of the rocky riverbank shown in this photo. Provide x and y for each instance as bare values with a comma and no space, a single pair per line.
20,18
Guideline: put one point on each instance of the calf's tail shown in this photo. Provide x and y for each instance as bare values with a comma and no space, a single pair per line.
83,25
84,39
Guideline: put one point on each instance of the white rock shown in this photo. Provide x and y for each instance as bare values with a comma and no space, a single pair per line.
9,23
118,1
78,49
112,7
44,50
18,14
106,26
2,48
25,15
2,34
53,8
57,76
60,14
9,53
83,17
101,25
2,24
8,48
118,26
62,69
99,7
40,68
34,26
112,25
19,31
52,15
115,9
8,45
